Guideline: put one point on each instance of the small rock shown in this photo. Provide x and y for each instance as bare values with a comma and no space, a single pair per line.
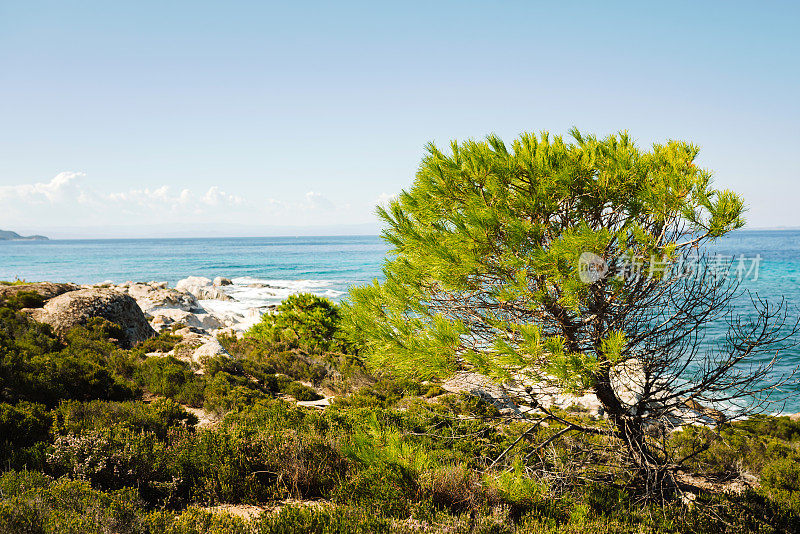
189,331
222,281
161,322
262,285
209,349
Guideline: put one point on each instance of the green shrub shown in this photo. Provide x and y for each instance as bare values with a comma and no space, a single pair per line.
158,417
33,503
389,489
21,338
110,459
37,367
768,426
24,434
24,299
384,393
163,342
301,392
782,474
456,488
276,415
303,321
237,464
172,378
197,521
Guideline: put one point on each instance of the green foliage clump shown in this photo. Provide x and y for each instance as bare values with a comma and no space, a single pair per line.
32,502
24,299
173,378
302,321
158,417
163,342
16,282
35,366
301,392
387,487
111,459
385,392
292,519
24,431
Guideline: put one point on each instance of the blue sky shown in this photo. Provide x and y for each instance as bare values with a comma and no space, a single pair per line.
166,118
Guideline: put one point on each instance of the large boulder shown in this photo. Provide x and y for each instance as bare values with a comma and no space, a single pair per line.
77,307
46,290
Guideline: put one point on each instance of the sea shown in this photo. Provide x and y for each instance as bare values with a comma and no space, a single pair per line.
267,270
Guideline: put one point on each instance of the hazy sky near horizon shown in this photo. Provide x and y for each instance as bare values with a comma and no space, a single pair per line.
142,115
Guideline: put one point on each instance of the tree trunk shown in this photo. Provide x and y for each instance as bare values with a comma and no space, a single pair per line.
652,472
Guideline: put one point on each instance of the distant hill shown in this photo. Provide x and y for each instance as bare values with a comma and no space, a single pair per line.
7,235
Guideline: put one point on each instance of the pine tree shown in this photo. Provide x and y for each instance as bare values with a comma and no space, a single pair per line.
516,262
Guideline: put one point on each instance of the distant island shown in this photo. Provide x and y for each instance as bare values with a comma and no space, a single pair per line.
7,235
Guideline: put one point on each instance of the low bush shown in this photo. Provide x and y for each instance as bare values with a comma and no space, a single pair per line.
163,342
171,378
158,417
301,392
303,321
24,299
32,503
24,432
110,459
389,489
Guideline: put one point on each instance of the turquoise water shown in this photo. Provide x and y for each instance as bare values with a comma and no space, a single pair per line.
329,265
340,261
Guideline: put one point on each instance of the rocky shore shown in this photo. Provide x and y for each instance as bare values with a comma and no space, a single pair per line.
197,308
195,302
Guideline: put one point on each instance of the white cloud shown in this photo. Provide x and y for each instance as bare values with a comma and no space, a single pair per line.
385,198
68,200
216,197
60,187
318,201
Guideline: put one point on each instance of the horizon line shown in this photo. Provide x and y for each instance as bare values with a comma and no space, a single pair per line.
378,234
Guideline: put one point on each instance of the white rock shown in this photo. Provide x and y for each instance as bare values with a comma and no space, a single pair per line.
202,288
192,281
160,323
210,348
149,298
209,322
320,404
168,316
222,281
